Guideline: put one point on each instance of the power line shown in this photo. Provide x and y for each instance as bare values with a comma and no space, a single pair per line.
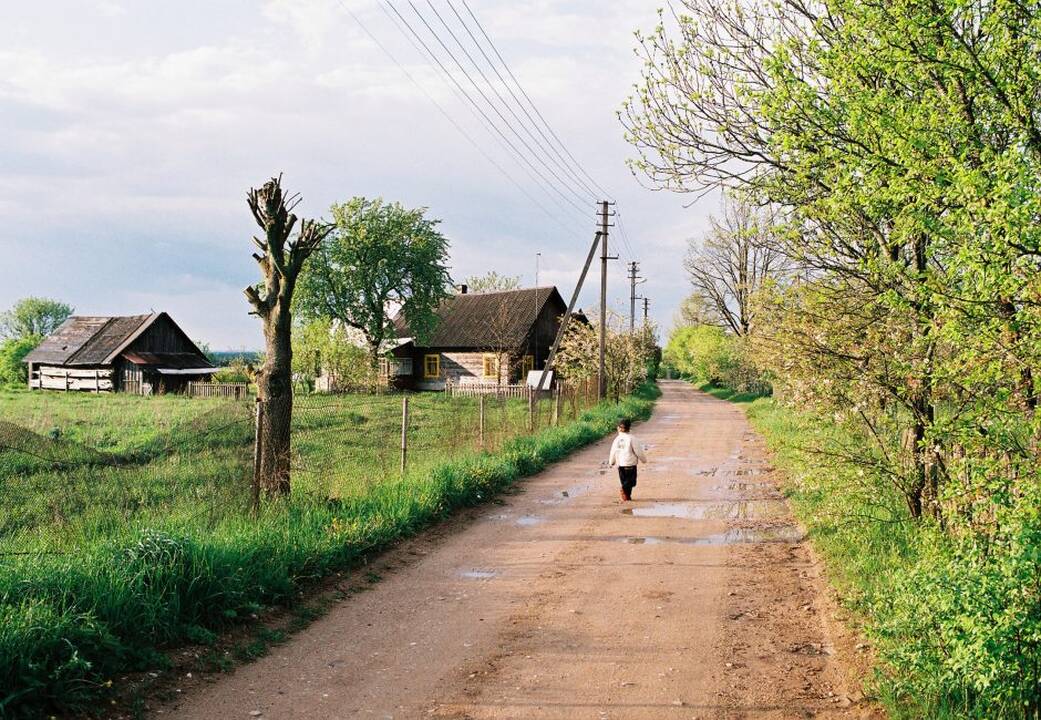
531,102
452,120
480,92
562,162
491,86
482,116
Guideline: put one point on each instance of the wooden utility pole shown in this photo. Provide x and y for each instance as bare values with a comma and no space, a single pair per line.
604,257
634,280
567,316
404,431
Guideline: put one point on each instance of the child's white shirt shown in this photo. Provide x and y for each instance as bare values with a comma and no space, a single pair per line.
625,451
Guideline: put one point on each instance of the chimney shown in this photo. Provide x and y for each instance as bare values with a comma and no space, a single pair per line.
463,289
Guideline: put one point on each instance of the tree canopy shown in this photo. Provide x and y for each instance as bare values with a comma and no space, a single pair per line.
33,317
492,281
380,256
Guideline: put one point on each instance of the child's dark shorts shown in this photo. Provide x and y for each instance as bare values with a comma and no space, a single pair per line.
627,476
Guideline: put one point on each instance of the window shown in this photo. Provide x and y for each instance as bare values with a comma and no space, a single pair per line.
528,366
491,366
431,366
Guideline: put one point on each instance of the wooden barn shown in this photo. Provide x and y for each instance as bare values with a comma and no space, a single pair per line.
480,338
139,354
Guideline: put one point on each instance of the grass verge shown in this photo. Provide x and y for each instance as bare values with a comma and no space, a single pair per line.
69,625
954,630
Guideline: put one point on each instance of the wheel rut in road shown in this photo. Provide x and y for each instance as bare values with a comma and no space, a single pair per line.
699,599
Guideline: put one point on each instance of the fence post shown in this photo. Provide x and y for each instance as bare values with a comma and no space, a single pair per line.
481,421
531,410
556,405
258,413
404,431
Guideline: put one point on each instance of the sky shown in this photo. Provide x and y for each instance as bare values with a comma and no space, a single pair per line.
132,130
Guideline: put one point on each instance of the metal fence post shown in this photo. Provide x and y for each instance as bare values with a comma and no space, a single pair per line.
404,431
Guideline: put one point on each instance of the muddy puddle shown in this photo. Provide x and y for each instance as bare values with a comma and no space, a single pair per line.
734,536
727,510
478,574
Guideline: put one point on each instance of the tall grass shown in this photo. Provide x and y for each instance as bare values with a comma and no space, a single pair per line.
70,623
956,631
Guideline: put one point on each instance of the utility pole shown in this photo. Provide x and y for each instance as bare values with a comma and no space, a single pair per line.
604,257
634,280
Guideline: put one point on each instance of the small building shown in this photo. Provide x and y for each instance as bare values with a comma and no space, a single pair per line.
139,354
492,338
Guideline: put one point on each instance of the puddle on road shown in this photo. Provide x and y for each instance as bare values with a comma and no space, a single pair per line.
731,510
734,536
529,520
478,574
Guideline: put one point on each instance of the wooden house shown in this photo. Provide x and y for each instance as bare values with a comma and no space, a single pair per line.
480,338
139,354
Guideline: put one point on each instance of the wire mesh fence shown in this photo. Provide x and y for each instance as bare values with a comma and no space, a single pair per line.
81,471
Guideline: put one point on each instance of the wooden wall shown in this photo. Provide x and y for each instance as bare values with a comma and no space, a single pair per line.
55,377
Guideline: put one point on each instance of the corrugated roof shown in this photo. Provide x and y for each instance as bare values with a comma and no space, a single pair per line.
487,320
169,360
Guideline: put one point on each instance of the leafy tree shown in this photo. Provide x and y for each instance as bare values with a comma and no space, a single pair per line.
12,351
33,317
380,256
492,281
324,348
629,356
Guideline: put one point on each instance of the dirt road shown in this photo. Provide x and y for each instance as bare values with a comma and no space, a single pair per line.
697,600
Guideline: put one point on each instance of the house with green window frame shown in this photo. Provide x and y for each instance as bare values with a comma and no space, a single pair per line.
489,338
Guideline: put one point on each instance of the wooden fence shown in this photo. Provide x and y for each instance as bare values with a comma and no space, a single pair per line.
477,389
234,391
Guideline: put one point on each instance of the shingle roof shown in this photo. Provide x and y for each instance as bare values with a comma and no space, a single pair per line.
487,320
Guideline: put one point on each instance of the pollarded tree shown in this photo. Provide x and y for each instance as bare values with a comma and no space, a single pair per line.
280,260
380,256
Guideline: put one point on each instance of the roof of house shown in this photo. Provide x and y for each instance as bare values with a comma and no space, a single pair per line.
95,340
487,320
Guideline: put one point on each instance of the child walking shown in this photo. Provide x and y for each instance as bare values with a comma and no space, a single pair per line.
625,451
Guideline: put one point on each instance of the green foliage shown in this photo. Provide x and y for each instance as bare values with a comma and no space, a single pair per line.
71,624
900,142
709,354
33,317
12,351
492,281
323,347
379,254
630,357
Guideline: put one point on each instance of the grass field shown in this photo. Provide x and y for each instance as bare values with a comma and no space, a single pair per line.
125,526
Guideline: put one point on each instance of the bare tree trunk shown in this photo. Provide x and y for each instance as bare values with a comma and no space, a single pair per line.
280,263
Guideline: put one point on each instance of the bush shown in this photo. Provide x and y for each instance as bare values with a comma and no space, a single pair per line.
12,370
709,354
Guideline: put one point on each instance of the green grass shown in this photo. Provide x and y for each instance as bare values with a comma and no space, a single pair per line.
725,393
953,630
176,557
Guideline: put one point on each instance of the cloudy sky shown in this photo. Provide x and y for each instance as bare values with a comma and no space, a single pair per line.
133,128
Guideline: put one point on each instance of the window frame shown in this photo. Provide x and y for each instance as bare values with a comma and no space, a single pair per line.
436,357
492,361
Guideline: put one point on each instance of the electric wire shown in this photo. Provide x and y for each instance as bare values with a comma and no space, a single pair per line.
452,120
534,107
473,102
560,161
